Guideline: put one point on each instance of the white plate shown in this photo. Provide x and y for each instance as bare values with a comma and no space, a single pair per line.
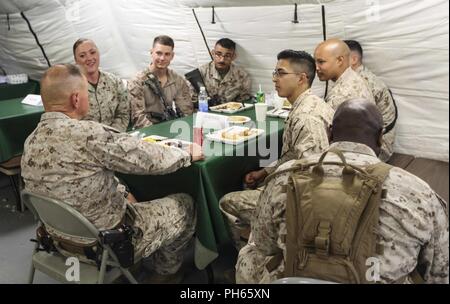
238,120
278,113
236,130
221,109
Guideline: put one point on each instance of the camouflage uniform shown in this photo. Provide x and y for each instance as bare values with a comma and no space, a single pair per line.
350,85
304,134
413,225
235,86
385,104
108,102
144,101
74,161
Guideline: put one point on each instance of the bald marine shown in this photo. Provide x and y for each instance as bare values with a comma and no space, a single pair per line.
64,89
332,59
358,120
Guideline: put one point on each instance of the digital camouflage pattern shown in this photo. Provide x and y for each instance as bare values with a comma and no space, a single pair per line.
144,101
108,102
349,86
305,133
74,161
413,225
235,86
385,104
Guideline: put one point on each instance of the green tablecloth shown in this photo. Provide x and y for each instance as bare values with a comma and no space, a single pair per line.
207,181
17,121
10,91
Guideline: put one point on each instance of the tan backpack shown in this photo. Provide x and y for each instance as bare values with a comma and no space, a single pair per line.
332,221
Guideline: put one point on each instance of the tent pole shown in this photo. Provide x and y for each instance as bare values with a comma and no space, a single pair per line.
324,33
36,38
203,35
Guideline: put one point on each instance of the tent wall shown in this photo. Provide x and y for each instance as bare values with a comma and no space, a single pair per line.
405,43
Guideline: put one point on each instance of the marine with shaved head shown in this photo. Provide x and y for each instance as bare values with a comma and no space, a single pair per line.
333,63
74,161
413,220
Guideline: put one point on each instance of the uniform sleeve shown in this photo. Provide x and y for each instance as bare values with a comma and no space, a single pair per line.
122,115
245,95
309,137
137,104
184,97
434,255
269,216
127,154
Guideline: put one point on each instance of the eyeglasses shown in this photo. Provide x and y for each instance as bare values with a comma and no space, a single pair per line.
279,74
225,56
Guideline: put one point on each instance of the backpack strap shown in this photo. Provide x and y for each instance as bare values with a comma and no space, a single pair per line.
381,171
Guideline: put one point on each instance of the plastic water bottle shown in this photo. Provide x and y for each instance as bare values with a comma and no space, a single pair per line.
260,97
203,100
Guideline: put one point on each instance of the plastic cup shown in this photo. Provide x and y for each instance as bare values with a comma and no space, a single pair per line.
261,111
198,136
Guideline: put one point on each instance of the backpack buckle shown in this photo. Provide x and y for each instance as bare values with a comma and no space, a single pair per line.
322,240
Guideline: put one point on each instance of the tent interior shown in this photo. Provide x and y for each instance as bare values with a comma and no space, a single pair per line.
405,42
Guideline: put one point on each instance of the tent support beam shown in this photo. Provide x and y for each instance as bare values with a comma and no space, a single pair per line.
36,38
203,34
324,33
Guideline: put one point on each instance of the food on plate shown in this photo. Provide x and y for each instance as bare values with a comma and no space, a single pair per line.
229,106
149,139
238,119
236,135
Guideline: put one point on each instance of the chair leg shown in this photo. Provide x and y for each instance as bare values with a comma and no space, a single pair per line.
101,275
32,269
16,190
128,275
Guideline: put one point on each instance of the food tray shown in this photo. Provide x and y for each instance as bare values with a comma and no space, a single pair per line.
232,135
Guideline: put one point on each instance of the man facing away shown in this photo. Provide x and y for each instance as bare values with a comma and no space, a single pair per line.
74,161
413,220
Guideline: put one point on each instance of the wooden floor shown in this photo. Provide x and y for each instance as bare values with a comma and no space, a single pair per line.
435,173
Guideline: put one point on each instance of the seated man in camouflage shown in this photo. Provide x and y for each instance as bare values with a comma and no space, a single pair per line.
305,133
333,63
108,95
74,160
224,80
382,95
412,232
158,93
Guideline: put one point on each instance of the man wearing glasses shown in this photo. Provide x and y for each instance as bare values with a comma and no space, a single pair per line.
223,79
305,133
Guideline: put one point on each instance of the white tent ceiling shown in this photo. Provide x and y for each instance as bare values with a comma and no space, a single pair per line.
405,41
